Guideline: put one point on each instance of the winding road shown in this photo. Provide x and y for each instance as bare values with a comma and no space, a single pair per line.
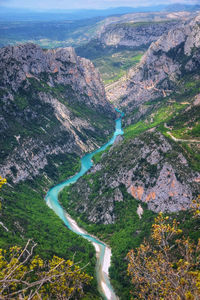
182,140
103,252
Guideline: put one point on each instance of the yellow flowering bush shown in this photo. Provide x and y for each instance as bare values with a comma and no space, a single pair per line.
2,181
168,267
25,276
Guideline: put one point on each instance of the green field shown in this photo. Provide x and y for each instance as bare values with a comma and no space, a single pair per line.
112,67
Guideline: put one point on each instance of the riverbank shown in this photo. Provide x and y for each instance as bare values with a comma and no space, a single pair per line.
104,266
103,253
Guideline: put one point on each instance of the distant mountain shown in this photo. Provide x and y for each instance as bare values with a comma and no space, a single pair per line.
134,34
182,7
133,30
13,14
22,14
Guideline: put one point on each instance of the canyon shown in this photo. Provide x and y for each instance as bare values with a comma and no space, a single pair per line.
55,110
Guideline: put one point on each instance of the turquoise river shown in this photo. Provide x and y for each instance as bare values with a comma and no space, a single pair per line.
103,252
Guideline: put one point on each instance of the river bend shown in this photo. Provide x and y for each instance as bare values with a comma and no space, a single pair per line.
103,252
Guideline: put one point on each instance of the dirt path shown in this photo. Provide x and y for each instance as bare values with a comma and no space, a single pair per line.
182,140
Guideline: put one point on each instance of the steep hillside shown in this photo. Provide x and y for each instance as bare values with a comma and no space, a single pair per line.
119,46
52,103
134,30
167,61
151,167
134,34
120,41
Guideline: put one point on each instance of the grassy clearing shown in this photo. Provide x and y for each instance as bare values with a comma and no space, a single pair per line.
158,117
187,133
188,129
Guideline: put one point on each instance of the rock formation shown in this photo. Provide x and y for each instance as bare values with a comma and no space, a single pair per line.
172,56
151,171
51,103
134,35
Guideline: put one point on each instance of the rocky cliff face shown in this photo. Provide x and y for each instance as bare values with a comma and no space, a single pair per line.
139,29
150,17
56,67
167,60
151,170
52,102
134,35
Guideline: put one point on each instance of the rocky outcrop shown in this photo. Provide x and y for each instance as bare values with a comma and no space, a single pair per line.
151,168
150,17
52,102
134,35
56,67
171,57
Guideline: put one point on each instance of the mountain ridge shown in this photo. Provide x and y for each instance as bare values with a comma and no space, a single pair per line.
161,66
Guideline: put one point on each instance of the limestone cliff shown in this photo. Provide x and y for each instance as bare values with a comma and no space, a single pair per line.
152,168
172,56
55,67
134,35
52,102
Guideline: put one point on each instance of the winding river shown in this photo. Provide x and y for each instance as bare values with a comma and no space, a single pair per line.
103,252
